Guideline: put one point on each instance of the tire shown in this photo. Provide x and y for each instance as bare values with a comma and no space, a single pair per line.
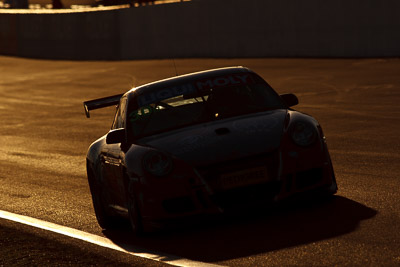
333,188
104,220
328,192
134,216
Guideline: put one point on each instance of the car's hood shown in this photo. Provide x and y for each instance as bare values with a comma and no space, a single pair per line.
223,140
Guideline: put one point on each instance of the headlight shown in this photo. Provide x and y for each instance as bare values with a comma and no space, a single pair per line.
157,163
303,134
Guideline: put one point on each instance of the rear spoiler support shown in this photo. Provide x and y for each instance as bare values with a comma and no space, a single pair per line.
101,103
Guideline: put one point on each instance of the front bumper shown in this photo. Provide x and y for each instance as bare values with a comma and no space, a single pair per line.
197,192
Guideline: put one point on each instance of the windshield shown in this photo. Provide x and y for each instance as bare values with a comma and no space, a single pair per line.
198,102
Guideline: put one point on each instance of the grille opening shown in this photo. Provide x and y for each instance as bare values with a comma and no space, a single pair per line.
202,199
222,131
248,196
289,182
308,178
178,205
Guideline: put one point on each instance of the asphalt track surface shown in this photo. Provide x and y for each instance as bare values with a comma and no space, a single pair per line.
45,135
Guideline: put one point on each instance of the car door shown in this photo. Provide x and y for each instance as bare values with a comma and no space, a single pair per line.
111,160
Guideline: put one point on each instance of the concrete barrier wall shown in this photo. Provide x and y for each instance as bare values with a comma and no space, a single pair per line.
84,35
210,28
8,34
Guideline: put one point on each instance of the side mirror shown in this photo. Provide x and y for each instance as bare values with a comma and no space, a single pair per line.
116,136
290,99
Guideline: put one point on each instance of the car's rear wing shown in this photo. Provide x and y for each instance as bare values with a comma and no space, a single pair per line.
101,103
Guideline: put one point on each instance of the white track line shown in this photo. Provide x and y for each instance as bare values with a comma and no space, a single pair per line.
101,241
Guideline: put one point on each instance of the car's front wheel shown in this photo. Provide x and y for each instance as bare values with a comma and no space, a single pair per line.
134,216
103,218
333,187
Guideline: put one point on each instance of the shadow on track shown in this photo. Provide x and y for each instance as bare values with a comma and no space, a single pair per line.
287,225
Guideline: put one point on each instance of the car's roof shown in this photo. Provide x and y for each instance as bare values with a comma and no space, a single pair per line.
181,79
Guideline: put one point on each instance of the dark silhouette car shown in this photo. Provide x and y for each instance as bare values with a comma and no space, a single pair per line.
203,143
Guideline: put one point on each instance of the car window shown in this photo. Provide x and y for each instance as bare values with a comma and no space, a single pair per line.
119,119
201,101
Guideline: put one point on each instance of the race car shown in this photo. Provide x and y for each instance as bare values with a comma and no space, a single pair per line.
204,143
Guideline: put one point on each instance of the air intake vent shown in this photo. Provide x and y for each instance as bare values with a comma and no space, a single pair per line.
222,131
